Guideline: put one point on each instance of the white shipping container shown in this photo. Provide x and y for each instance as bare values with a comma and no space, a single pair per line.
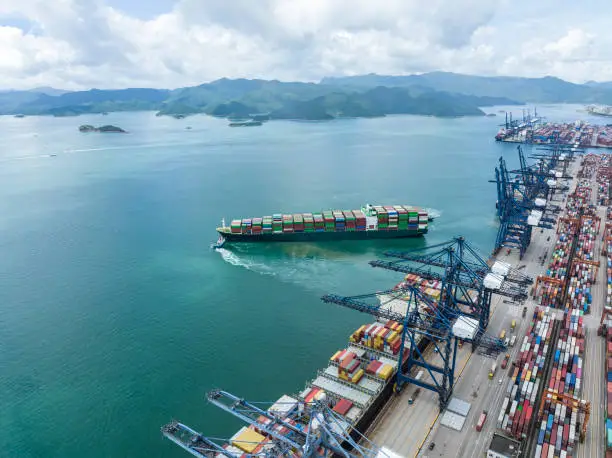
513,408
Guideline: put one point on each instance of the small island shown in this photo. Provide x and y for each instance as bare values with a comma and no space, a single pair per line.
108,128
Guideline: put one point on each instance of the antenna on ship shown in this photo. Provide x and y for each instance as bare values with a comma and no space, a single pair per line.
222,222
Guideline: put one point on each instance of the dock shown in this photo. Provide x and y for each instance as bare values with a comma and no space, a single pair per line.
577,134
408,430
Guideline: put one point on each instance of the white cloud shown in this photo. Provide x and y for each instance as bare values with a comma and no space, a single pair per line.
86,43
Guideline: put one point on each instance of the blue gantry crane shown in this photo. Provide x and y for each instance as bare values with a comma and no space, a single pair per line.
463,273
461,312
310,430
522,197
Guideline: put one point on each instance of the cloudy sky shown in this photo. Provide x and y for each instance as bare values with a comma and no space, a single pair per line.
77,44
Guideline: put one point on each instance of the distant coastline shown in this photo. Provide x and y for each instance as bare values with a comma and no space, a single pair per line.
241,98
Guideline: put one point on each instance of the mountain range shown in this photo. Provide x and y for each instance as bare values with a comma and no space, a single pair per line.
435,94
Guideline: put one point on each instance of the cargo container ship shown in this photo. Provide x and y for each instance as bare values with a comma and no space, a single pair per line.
371,222
356,384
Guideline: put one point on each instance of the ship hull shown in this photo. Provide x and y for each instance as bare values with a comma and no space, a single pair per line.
317,236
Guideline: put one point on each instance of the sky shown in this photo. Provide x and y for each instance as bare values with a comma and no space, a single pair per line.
80,44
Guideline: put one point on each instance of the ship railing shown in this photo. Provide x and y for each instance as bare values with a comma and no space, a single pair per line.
354,386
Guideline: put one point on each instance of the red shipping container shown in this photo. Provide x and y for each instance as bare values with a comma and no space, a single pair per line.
373,367
347,360
343,406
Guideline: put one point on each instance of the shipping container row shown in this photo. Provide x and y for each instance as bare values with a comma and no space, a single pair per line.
386,218
566,368
605,328
526,374
561,415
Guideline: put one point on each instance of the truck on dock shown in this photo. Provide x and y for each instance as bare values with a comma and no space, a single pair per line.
513,324
512,340
524,312
481,420
492,370
502,335
504,363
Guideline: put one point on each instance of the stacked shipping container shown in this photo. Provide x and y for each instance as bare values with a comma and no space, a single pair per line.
566,374
383,338
558,427
392,218
517,409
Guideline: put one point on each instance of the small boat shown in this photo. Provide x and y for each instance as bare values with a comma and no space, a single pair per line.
221,240
245,123
219,244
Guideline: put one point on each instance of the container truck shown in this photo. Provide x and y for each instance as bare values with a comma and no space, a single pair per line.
492,371
505,361
481,421
513,324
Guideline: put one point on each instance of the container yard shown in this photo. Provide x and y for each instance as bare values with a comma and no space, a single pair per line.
578,134
541,394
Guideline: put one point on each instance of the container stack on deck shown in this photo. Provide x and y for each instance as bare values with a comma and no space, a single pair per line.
353,385
430,288
389,218
527,371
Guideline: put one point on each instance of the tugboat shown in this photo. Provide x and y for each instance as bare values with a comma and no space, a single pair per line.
221,240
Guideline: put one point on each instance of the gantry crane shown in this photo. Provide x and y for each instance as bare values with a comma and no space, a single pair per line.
462,274
313,430
460,312
522,196
423,321
571,402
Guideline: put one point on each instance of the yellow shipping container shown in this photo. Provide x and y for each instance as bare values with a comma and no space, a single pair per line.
385,372
357,376
391,336
247,440
336,355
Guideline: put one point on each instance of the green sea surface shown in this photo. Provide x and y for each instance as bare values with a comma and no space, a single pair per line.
115,314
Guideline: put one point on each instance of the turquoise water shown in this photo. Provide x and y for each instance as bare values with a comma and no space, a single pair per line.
115,316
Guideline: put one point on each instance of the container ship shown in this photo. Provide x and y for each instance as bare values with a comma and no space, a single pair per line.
357,382
371,222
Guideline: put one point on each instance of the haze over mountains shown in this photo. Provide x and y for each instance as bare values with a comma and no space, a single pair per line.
436,94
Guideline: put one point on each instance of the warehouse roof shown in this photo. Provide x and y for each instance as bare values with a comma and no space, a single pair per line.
504,446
